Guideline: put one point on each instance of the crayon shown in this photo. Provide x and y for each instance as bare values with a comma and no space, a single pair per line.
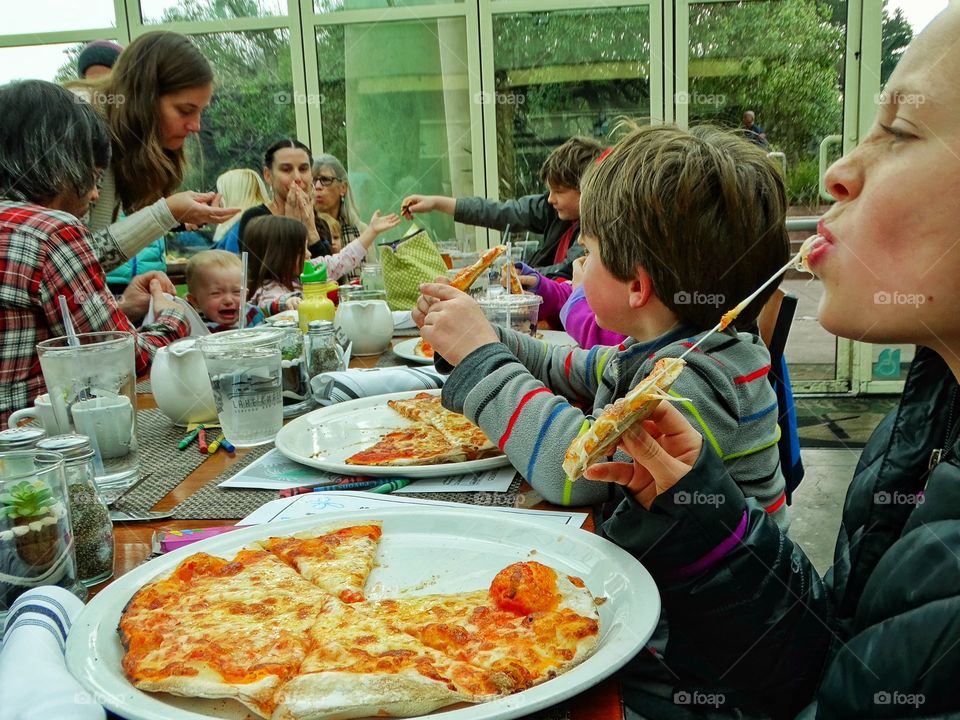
360,485
202,441
227,445
189,437
336,485
389,487
215,445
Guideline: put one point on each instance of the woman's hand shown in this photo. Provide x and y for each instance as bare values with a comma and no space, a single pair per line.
451,321
663,447
199,208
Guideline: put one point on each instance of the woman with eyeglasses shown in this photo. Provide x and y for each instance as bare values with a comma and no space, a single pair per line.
334,197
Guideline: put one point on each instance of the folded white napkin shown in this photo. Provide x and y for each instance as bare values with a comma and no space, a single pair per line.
333,387
403,324
34,682
197,326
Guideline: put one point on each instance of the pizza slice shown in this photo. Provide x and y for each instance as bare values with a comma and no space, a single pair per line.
337,559
601,438
423,349
466,277
414,445
510,278
218,628
360,666
457,429
530,624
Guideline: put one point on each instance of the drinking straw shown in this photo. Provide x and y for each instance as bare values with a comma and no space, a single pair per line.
510,270
72,340
243,291
58,409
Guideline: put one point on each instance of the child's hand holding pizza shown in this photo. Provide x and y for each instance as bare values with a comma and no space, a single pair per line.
453,323
663,447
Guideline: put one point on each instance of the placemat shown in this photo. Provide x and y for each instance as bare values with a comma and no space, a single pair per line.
390,359
143,387
162,465
495,499
215,503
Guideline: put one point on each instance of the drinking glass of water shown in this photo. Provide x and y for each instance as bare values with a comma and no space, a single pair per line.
245,372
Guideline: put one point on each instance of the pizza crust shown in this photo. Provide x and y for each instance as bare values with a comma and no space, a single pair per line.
466,277
332,696
257,696
600,439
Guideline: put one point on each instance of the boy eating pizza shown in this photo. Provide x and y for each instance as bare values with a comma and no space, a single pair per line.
678,226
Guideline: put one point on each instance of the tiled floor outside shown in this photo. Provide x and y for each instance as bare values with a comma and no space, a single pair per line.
818,501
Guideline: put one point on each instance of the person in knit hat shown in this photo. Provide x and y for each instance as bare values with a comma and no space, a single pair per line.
97,59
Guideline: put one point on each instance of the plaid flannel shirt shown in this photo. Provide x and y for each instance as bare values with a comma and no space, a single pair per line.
43,254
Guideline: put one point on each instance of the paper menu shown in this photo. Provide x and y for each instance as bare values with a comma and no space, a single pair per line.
274,471
340,501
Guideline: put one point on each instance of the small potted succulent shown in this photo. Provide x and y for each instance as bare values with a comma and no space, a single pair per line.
34,513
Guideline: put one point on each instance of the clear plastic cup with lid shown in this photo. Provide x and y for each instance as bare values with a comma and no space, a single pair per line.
516,312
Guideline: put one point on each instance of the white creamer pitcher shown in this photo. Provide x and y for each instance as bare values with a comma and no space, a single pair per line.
180,384
366,319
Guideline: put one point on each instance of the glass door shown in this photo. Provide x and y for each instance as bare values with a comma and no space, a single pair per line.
783,72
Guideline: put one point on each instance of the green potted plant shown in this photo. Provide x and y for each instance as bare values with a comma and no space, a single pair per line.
30,506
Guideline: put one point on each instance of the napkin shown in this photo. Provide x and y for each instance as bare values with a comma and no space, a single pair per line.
34,681
403,324
333,387
197,326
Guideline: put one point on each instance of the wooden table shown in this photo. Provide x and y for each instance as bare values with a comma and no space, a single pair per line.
132,548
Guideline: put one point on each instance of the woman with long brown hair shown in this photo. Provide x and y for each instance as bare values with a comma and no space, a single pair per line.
152,101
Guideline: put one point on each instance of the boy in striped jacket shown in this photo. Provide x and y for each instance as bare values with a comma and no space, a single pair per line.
678,226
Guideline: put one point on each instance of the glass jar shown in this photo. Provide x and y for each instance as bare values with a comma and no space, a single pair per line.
324,354
20,438
293,373
92,528
36,540
371,277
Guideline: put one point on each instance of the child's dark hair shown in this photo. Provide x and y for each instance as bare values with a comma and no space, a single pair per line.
702,211
276,250
565,166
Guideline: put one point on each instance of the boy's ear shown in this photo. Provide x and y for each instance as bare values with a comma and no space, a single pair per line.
641,289
191,299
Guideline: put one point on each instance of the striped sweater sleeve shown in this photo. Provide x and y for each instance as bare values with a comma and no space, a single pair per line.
532,423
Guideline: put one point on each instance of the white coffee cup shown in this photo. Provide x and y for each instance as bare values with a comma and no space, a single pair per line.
43,412
107,419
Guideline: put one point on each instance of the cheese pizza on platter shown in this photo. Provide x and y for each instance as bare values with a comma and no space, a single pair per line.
254,628
600,439
435,435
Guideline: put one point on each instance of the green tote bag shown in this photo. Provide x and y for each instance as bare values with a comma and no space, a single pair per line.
412,262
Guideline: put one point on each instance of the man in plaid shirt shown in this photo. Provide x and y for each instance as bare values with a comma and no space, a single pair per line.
51,148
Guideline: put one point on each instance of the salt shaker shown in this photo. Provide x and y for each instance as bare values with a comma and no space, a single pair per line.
89,516
323,352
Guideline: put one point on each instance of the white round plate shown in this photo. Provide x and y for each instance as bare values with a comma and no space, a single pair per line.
405,350
477,544
324,439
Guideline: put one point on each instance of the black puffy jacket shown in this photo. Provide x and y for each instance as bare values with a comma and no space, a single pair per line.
877,637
